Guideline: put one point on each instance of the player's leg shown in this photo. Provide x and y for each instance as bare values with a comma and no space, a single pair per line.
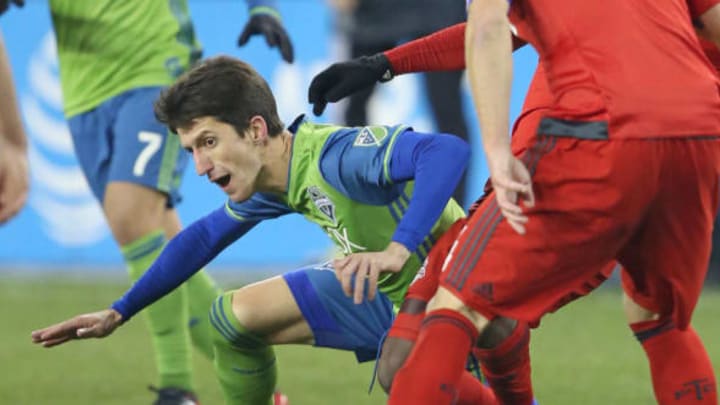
398,346
492,271
406,326
306,306
680,367
201,291
136,177
665,266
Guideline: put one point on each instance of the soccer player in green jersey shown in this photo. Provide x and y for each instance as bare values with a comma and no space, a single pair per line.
114,58
380,192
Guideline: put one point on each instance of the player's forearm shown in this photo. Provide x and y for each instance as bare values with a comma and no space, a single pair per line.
442,50
12,132
436,163
184,255
489,58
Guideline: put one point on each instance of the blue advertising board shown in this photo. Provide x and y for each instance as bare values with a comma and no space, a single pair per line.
62,225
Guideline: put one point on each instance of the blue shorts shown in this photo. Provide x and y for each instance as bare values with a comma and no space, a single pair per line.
120,140
335,320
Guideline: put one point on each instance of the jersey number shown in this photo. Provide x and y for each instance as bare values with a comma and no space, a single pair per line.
153,141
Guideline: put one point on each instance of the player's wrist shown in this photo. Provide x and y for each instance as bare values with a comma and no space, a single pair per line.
381,64
399,253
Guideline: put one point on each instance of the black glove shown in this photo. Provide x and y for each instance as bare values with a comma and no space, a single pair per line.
275,35
5,4
345,78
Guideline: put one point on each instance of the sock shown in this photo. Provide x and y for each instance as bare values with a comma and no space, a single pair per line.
244,363
166,319
201,291
445,335
471,391
680,368
507,368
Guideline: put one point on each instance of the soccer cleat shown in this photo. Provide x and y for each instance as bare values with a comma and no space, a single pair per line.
174,396
280,399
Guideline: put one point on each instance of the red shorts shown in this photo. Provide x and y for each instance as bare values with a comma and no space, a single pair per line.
649,204
407,324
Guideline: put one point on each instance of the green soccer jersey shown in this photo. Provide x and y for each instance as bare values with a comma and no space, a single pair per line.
339,179
106,47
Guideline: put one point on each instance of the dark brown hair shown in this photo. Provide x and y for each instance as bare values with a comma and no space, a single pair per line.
221,87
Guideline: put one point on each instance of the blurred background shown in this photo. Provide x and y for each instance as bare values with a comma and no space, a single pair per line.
58,257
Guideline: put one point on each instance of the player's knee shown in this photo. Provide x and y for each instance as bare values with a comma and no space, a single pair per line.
226,329
634,313
132,211
245,309
394,353
496,332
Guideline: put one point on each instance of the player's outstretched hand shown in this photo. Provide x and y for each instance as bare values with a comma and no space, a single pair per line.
345,78
512,184
5,4
269,26
14,181
93,325
368,266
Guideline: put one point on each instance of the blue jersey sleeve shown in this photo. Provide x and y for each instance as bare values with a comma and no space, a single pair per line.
196,246
371,166
436,163
185,254
354,161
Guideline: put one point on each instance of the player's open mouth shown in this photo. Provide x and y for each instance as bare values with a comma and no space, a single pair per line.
223,181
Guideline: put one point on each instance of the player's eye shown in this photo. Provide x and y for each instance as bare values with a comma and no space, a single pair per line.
209,142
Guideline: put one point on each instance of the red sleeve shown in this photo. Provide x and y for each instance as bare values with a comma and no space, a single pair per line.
442,50
699,7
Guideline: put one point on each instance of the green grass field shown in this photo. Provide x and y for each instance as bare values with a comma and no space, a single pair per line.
585,354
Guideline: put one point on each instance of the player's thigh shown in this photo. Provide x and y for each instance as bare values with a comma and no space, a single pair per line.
634,311
334,319
268,308
666,260
582,215
145,152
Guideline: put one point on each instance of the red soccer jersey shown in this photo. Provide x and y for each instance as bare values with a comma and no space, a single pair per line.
635,64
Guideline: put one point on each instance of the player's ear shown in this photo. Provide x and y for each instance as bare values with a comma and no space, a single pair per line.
258,129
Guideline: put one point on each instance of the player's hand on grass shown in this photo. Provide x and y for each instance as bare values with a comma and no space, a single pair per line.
368,266
93,325
5,4
14,181
345,78
266,22
512,184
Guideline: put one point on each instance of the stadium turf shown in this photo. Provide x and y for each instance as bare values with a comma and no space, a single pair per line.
584,354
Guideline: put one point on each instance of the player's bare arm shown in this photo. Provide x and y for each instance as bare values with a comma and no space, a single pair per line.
14,179
488,54
92,325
